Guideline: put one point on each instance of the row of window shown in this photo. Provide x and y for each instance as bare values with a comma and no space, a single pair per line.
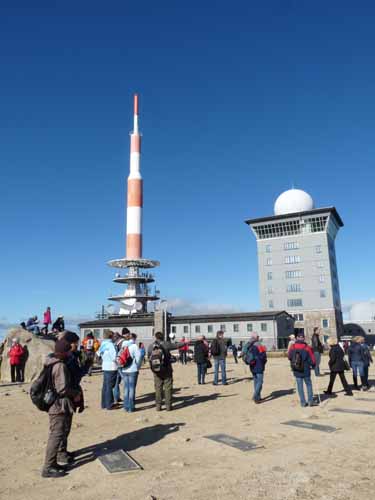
292,259
291,227
295,288
210,328
294,274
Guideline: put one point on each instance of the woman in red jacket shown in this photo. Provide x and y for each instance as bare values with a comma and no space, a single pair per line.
15,355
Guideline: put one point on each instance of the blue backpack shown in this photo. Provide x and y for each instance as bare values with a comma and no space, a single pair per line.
247,355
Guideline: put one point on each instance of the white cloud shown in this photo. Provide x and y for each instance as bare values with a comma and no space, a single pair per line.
183,306
361,310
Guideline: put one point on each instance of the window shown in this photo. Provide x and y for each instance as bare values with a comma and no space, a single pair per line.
270,304
291,227
269,261
293,274
268,248
320,264
298,317
269,275
270,289
325,323
294,287
321,278
96,333
263,327
222,328
186,329
291,245
292,259
173,329
294,302
323,293
236,327
197,328
210,328
318,249
249,327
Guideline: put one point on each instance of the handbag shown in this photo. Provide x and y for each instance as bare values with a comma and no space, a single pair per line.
346,366
208,364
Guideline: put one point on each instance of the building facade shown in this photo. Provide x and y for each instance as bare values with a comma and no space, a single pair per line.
273,327
297,264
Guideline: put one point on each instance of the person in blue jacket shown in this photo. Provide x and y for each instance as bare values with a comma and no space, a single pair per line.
256,357
108,354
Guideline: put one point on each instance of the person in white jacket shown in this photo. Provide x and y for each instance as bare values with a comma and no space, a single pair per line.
107,352
130,374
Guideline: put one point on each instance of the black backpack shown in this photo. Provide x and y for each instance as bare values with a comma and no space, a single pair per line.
298,364
215,348
158,358
42,391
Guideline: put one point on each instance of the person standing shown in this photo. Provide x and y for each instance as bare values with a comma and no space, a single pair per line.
159,356
367,360
118,340
357,361
61,411
201,358
302,359
142,350
90,347
336,365
256,356
183,350
292,340
317,348
235,352
47,320
107,353
129,373
15,354
24,358
219,353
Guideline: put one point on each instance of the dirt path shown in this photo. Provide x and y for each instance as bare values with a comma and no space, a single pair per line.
179,462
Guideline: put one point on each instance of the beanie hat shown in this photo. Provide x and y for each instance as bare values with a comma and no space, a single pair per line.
69,337
300,335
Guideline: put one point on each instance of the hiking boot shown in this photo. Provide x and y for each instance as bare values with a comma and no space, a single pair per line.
158,408
313,404
328,393
53,472
348,394
168,408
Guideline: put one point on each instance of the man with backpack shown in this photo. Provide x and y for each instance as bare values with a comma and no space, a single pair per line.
128,360
219,352
302,359
160,359
255,356
66,399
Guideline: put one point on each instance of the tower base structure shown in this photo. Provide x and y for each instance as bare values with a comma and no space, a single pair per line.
137,294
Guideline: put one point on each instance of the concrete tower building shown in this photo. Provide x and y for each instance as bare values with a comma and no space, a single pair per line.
297,262
137,294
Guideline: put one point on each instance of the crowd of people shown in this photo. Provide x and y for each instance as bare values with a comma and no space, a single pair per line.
122,356
49,328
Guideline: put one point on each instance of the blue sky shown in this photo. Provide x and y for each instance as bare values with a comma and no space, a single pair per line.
239,101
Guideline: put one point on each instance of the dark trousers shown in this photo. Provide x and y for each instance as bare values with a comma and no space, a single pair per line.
89,362
135,385
332,378
365,375
59,429
202,369
15,373
109,381
183,357
165,385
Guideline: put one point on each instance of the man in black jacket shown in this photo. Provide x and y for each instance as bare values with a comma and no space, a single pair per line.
317,348
219,352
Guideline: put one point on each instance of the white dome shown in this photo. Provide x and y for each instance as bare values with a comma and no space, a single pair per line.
293,200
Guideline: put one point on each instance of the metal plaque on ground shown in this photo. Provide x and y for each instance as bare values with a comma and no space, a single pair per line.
372,400
119,461
354,412
310,425
234,442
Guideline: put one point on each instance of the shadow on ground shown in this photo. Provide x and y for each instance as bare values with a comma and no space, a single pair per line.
128,442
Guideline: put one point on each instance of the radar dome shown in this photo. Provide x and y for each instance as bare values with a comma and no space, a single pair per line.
293,200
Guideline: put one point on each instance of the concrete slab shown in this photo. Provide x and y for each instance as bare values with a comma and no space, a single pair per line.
119,461
354,412
311,426
239,444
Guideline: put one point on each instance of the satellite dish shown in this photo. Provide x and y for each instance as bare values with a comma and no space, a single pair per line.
138,306
129,302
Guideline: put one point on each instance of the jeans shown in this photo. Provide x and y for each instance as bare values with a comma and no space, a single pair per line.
317,365
219,363
109,380
183,357
258,384
129,390
301,392
202,368
116,389
358,367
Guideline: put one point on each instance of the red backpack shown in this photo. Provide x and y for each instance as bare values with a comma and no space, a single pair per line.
124,359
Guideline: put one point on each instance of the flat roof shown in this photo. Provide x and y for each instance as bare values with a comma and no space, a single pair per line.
148,319
316,211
